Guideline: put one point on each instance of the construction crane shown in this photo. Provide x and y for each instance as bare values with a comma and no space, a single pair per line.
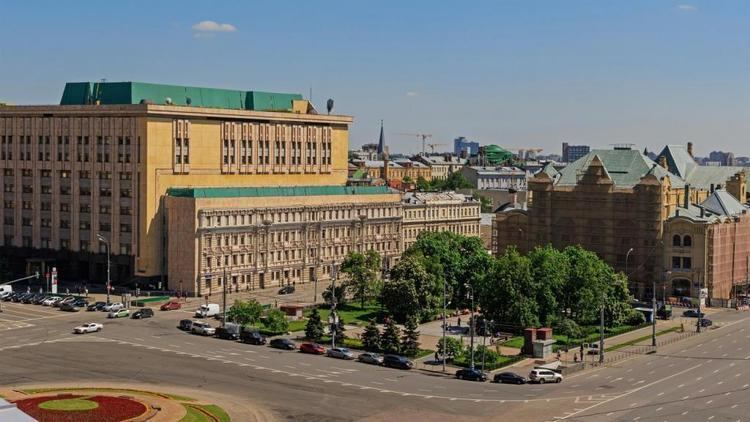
432,147
423,136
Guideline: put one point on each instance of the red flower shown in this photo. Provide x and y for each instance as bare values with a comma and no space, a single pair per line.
111,409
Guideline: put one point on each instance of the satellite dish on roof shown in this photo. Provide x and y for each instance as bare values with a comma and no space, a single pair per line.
168,100
329,105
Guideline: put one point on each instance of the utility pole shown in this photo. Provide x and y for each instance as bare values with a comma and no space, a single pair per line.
700,297
471,324
333,319
653,313
601,331
445,322
109,281
224,299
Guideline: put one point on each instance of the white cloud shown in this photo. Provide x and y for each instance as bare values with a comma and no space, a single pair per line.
687,8
411,94
211,26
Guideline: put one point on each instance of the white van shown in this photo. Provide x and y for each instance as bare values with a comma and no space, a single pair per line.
7,288
206,311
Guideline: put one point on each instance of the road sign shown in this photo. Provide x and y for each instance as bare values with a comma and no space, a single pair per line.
54,280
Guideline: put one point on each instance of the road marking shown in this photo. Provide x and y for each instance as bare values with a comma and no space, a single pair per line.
627,393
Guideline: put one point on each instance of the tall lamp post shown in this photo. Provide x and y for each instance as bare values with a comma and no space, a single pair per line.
472,322
445,322
627,257
109,281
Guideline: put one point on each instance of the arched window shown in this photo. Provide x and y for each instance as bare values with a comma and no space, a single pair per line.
687,241
676,240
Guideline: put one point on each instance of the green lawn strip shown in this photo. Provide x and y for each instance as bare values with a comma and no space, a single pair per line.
69,405
516,342
351,313
640,339
295,326
502,361
107,390
193,415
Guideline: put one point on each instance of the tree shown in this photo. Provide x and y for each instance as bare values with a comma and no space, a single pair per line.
427,285
371,337
407,180
422,184
589,285
507,294
454,181
340,294
399,297
485,203
568,327
453,347
410,339
390,340
362,271
245,312
550,269
276,322
314,326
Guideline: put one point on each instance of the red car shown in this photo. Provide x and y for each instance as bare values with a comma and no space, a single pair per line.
312,348
171,306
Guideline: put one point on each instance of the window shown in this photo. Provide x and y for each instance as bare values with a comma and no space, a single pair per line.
104,209
125,193
125,211
64,190
676,240
8,220
26,221
65,207
676,262
84,245
125,249
84,175
105,192
85,208
26,241
687,262
65,224
85,225
8,205
687,241
125,228
64,244
105,227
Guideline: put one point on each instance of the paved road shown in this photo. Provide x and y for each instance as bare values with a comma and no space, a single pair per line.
304,387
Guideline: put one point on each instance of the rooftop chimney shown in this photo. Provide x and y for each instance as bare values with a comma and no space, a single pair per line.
690,148
663,161
687,196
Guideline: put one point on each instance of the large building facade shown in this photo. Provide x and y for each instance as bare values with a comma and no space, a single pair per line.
101,163
439,211
254,238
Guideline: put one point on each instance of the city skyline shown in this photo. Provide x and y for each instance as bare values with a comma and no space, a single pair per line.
513,74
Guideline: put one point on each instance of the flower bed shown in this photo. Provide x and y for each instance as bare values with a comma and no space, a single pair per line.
108,409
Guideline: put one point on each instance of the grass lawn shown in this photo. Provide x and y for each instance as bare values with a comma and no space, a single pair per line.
465,361
352,314
516,342
69,405
194,413
640,339
297,325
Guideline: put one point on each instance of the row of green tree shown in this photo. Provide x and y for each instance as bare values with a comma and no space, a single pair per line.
250,313
545,287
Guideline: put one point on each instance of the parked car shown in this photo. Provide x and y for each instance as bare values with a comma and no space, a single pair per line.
286,290
69,307
113,307
542,376
120,313
143,313
69,299
171,306
252,337
30,298
283,343
50,301
509,378
96,306
202,328
471,374
186,324
229,331
91,327
705,322
38,299
398,362
371,358
206,311
312,348
693,313
4,294
340,353
593,349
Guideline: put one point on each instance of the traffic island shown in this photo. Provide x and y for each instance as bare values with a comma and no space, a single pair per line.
63,404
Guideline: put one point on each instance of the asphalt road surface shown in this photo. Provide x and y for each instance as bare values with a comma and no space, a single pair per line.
702,378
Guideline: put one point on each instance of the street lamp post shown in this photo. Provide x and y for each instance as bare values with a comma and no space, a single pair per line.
109,281
700,297
653,313
224,299
333,318
472,323
627,257
445,322
601,329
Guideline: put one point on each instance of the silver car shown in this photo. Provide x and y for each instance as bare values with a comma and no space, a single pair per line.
371,358
340,353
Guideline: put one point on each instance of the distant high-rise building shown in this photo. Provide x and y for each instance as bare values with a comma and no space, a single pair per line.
723,158
571,153
461,145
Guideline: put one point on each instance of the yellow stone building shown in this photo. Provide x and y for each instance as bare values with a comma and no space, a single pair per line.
439,211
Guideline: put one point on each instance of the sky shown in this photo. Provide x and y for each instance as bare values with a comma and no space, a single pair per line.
524,73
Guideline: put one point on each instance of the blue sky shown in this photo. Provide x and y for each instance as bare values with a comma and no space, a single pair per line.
515,73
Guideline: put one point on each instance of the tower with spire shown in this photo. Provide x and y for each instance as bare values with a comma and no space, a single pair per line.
382,151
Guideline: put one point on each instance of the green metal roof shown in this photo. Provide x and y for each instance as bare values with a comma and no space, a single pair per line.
624,167
681,163
242,192
116,93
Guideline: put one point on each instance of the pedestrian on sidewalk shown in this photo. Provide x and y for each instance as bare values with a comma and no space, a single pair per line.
86,291
459,321
436,356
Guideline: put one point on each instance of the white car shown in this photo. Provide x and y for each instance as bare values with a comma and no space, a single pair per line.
203,328
4,294
544,375
51,300
113,307
91,327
